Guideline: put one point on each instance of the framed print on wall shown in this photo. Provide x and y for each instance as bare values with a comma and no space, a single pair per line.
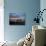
16,18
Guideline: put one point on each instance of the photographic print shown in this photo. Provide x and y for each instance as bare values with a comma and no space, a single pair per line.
17,19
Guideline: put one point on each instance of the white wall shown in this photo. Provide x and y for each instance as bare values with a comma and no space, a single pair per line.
43,6
1,21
